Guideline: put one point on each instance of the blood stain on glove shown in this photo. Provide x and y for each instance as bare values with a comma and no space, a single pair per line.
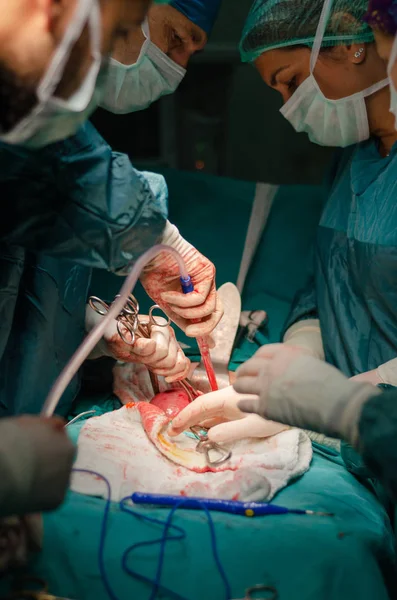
171,402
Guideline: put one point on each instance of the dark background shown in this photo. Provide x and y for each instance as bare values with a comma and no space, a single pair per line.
222,120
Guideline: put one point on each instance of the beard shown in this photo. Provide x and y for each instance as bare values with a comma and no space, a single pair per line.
17,98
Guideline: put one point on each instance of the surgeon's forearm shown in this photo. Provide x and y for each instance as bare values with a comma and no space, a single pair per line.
106,213
306,334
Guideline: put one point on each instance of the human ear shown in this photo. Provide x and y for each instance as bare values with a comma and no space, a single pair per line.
357,53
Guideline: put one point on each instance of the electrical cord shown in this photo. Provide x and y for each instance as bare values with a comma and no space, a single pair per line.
179,535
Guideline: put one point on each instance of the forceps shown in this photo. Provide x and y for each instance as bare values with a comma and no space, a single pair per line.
130,329
128,325
205,446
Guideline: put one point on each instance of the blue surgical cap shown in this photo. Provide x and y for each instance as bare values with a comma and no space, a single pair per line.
201,12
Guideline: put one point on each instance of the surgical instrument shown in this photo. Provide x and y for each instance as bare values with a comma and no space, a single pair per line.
247,509
92,339
129,326
206,446
188,288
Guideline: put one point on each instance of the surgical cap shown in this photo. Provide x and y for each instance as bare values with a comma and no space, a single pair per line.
382,14
280,23
201,12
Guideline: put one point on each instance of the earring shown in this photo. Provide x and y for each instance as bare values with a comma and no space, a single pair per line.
359,53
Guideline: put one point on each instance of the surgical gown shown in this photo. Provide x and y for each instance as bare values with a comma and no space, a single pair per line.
353,288
68,208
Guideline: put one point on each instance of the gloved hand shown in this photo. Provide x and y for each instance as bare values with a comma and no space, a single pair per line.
386,373
302,391
372,377
36,458
160,279
161,352
219,411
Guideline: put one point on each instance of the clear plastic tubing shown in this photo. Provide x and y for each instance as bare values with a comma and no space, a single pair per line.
92,339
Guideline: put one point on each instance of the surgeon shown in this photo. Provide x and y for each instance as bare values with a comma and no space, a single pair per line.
152,62
44,96
321,57
82,206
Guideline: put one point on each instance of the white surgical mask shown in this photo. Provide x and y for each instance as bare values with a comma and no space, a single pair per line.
393,91
54,119
130,88
328,122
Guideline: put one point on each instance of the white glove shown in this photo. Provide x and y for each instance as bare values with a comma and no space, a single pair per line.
298,389
306,334
161,352
161,281
386,373
219,411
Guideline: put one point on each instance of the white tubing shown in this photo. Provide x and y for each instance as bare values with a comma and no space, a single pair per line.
92,339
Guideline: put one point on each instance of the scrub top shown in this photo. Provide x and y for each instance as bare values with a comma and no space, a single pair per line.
352,289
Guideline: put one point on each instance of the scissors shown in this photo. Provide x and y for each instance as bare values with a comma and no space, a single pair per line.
129,326
270,591
39,590
214,454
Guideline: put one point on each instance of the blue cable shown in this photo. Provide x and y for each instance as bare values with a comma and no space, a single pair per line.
102,539
167,524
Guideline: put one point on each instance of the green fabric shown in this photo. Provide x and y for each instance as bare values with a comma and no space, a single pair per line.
282,23
348,556
308,558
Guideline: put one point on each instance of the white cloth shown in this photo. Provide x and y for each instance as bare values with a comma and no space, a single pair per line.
117,446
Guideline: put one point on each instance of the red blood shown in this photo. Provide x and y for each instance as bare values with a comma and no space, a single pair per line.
171,402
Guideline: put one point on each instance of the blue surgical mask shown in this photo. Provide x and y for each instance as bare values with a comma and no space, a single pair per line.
130,88
53,118
328,122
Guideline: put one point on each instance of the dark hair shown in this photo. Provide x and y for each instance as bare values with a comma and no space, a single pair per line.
17,98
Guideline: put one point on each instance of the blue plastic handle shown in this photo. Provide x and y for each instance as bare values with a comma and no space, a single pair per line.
248,509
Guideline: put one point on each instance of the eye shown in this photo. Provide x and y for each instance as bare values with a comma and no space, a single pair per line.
292,84
122,33
177,40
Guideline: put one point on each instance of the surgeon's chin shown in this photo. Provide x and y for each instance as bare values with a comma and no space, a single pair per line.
17,98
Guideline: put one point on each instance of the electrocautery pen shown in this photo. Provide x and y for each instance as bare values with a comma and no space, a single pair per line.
247,509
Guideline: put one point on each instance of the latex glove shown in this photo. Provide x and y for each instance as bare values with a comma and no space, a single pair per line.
161,352
302,391
161,281
372,377
36,458
219,411
306,334
386,373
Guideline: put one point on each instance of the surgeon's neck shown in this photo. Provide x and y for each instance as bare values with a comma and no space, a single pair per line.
381,120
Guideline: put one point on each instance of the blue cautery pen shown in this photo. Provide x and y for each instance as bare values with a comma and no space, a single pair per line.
246,509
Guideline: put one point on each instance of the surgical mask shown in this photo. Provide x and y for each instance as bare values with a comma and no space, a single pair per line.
328,122
130,88
393,91
53,119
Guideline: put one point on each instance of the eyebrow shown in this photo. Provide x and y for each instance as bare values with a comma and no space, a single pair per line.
273,81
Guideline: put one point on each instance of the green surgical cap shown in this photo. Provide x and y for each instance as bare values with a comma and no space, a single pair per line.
280,23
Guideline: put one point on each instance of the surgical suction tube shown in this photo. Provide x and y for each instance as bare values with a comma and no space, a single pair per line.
92,339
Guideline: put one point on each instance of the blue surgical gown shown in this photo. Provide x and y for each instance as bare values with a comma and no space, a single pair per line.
353,290
68,208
